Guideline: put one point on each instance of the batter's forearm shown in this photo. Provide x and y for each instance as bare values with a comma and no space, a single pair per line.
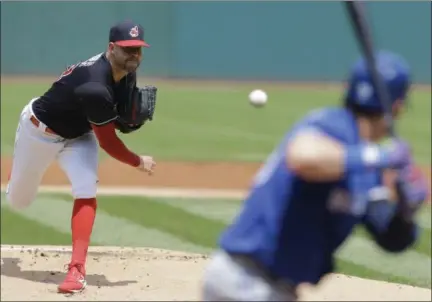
315,158
112,144
322,171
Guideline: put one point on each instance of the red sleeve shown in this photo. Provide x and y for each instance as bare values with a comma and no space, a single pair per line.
112,144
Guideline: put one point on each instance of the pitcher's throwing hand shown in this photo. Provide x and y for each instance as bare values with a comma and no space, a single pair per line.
147,164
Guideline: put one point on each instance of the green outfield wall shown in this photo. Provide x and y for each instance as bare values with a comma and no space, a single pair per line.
299,41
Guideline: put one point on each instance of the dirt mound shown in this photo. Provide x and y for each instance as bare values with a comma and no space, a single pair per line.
141,274
113,274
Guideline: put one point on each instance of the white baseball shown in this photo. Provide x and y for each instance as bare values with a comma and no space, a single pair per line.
258,97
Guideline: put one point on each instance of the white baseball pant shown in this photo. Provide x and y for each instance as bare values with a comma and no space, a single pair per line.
35,150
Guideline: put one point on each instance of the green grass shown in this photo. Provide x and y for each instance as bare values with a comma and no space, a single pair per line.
177,221
195,225
207,122
17,229
351,269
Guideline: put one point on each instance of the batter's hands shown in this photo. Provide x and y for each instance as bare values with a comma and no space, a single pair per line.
416,188
398,154
147,164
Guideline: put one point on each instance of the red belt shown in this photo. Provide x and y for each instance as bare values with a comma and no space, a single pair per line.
36,122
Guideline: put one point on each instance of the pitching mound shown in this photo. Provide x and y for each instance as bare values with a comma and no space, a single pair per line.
29,273
113,274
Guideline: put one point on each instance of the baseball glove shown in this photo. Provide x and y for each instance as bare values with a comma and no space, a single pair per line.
138,109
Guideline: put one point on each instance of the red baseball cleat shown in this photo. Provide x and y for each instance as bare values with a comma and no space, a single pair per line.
75,280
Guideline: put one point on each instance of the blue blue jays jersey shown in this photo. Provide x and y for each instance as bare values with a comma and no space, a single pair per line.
293,227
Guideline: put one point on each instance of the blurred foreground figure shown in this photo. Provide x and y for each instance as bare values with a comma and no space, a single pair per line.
83,108
325,177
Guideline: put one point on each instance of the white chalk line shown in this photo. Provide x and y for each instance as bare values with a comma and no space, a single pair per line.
151,192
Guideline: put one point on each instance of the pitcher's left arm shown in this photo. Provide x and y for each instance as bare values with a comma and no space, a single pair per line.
135,105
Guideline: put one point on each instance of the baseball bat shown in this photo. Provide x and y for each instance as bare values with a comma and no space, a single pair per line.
358,20
364,37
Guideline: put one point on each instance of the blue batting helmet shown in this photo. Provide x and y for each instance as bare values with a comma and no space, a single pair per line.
394,72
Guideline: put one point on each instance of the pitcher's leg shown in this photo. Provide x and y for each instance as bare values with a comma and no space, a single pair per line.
79,160
34,151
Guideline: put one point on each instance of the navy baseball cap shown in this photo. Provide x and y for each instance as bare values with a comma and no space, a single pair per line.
127,34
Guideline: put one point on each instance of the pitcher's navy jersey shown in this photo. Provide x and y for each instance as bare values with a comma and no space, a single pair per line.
291,226
85,93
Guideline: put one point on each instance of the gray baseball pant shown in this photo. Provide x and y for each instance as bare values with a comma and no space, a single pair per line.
237,278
